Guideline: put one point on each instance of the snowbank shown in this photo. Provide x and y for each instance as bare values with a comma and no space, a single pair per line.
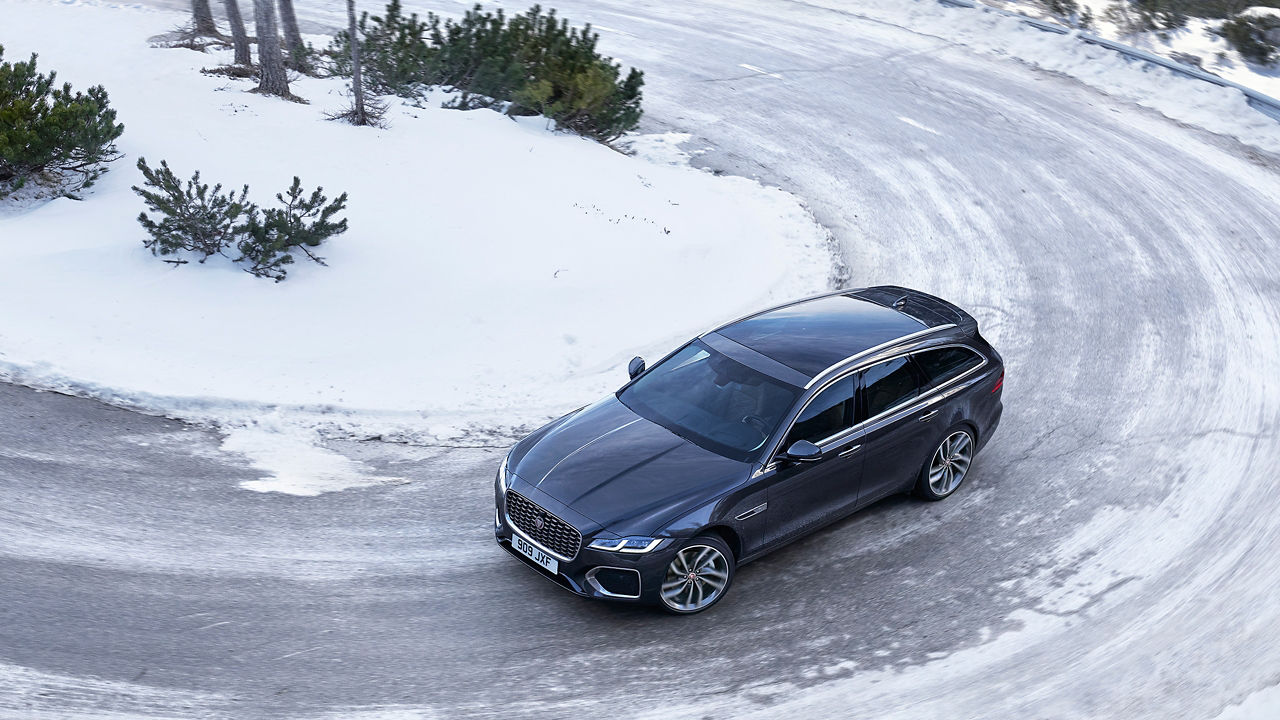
1218,109
1198,39
1262,705
495,273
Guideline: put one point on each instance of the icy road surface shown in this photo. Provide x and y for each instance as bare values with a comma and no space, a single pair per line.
1113,555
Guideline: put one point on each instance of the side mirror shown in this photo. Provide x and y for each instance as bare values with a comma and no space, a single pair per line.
803,451
635,367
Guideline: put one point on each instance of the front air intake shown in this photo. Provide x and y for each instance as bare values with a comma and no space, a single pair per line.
615,582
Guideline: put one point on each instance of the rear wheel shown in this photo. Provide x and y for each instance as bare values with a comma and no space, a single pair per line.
698,576
947,466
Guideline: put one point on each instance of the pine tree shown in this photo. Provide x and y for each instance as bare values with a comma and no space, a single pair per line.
202,17
359,117
52,134
239,38
274,81
294,47
1250,36
192,217
530,63
394,52
303,223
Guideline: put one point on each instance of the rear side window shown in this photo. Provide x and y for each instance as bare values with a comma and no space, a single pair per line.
944,364
830,412
888,384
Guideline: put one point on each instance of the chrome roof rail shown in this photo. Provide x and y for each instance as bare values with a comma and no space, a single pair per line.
840,366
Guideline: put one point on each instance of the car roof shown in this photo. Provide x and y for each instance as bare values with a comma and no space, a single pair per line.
812,335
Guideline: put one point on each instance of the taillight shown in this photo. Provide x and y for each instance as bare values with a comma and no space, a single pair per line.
999,383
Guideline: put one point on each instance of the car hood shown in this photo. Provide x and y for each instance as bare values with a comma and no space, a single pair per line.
624,472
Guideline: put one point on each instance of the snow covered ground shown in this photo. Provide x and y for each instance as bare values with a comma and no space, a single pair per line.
496,273
1218,109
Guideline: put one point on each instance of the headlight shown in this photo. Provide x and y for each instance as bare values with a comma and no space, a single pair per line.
634,545
502,475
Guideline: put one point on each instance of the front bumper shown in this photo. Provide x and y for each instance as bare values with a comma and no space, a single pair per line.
582,575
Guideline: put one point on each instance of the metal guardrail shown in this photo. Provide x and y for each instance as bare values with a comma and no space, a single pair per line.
1261,102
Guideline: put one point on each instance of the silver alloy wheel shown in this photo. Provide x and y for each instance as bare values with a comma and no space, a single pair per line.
950,463
695,578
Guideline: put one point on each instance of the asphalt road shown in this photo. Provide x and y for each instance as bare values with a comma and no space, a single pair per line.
1113,554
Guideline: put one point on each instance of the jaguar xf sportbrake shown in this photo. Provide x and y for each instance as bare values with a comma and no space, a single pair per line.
748,437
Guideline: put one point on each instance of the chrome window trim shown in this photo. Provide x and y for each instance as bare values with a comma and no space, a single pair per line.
840,366
892,414
591,580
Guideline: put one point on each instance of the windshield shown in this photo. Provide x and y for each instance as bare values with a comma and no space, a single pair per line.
712,400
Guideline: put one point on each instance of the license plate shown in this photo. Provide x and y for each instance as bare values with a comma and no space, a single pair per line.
525,548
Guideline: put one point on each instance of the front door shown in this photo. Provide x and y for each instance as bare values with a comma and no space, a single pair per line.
805,496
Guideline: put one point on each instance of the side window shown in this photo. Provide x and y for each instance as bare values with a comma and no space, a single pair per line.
944,364
888,384
830,412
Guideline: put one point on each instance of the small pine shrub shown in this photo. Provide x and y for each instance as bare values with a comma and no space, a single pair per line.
532,63
192,217
394,51
52,135
269,239
1248,35
468,101
1161,15
1072,11
484,54
196,219
305,59
1135,16
1062,8
1086,20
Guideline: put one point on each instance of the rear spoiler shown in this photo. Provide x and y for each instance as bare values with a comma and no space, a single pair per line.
930,310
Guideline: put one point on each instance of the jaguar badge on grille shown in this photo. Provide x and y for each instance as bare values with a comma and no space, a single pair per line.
539,522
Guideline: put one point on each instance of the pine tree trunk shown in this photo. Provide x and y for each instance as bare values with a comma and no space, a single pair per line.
292,38
357,84
239,38
203,18
270,59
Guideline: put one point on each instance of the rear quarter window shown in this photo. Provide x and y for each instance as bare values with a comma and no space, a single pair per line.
948,363
888,385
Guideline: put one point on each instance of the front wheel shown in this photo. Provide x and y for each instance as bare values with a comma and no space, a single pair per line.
698,576
947,467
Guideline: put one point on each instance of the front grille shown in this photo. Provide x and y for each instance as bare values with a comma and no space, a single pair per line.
556,535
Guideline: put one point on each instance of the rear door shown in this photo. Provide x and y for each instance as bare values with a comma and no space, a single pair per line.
899,428
805,496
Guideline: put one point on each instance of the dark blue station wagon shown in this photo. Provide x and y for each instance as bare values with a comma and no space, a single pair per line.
747,437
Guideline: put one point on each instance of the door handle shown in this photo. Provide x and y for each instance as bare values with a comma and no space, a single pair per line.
928,416
849,451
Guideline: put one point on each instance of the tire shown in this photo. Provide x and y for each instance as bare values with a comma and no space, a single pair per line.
948,465
698,567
